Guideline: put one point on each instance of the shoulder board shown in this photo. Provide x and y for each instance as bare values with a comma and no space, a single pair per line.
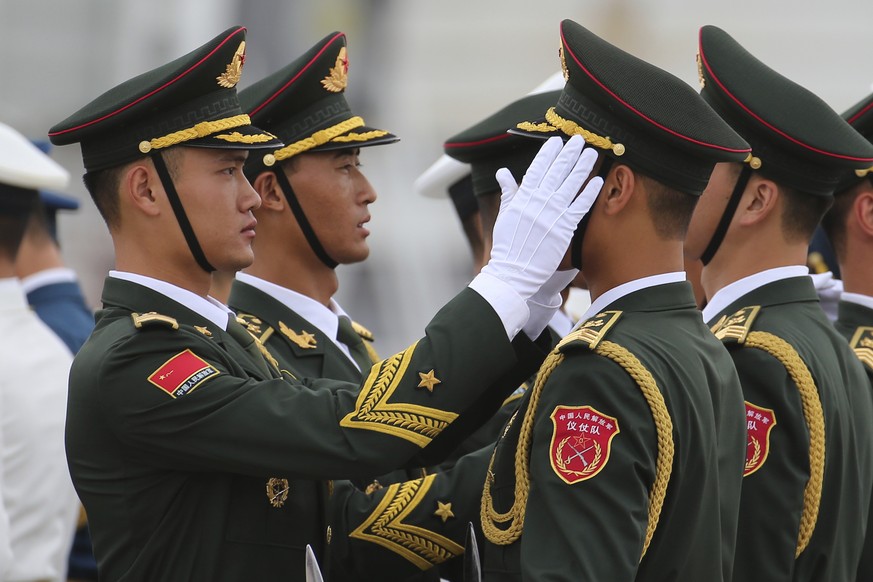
734,328
153,318
255,326
362,331
590,333
862,345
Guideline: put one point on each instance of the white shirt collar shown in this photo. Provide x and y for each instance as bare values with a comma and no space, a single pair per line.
48,277
209,307
730,293
858,298
325,318
12,295
617,293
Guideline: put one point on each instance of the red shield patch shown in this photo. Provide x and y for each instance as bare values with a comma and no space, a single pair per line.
182,373
759,423
581,442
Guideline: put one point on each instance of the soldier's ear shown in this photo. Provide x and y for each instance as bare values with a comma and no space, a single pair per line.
267,187
862,208
759,201
618,189
142,188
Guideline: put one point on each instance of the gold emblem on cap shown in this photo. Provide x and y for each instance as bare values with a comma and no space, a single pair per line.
700,71
563,63
339,74
230,77
277,491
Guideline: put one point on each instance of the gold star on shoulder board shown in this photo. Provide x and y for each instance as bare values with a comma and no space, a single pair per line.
428,380
444,511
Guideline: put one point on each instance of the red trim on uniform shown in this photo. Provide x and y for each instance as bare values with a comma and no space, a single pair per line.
641,114
463,144
860,113
764,123
297,76
159,89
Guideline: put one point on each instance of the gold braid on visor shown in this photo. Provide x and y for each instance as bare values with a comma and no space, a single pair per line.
321,137
206,129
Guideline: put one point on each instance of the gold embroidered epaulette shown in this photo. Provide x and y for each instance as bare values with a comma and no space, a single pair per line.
862,345
153,318
592,332
362,331
735,328
386,526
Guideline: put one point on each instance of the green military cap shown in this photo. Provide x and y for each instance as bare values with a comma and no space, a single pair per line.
487,146
304,104
796,138
636,113
191,101
860,117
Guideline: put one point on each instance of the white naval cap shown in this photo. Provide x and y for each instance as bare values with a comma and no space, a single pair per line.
446,171
23,165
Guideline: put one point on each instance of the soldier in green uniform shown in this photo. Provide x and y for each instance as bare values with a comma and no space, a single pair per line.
182,433
849,227
809,455
624,461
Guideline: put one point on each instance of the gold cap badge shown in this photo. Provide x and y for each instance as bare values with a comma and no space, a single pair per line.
700,71
230,77
563,63
339,74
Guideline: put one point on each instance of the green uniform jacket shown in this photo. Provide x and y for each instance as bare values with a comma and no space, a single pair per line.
320,357
789,470
595,450
855,323
182,476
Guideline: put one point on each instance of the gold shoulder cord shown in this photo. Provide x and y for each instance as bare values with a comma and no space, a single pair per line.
814,415
386,526
663,465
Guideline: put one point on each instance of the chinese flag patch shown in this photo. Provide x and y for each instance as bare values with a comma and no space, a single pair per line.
182,373
759,423
581,442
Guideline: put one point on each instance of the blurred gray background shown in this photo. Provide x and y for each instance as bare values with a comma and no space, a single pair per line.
424,70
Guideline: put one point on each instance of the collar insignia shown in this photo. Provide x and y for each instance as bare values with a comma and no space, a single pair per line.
304,339
337,80
231,76
737,326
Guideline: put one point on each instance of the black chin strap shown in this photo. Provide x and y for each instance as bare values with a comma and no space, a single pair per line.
579,234
307,229
179,211
729,211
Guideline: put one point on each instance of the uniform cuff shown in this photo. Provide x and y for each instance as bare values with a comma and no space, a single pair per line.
509,306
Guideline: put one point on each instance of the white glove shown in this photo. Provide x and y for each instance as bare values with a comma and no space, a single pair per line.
546,301
536,222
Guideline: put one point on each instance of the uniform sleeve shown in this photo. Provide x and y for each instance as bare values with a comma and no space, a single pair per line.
772,497
212,416
399,531
591,468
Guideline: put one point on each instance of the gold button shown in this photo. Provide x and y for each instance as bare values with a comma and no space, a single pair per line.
145,147
618,149
269,160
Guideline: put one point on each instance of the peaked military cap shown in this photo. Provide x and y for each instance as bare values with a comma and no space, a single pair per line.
860,117
487,146
636,113
24,169
191,101
304,104
796,138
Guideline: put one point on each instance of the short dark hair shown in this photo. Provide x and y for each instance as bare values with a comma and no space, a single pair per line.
801,213
103,185
669,208
834,220
13,218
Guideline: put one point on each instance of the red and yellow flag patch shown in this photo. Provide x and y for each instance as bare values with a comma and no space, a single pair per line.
581,442
759,423
182,373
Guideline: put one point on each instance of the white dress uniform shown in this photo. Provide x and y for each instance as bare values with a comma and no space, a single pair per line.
38,495
38,505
